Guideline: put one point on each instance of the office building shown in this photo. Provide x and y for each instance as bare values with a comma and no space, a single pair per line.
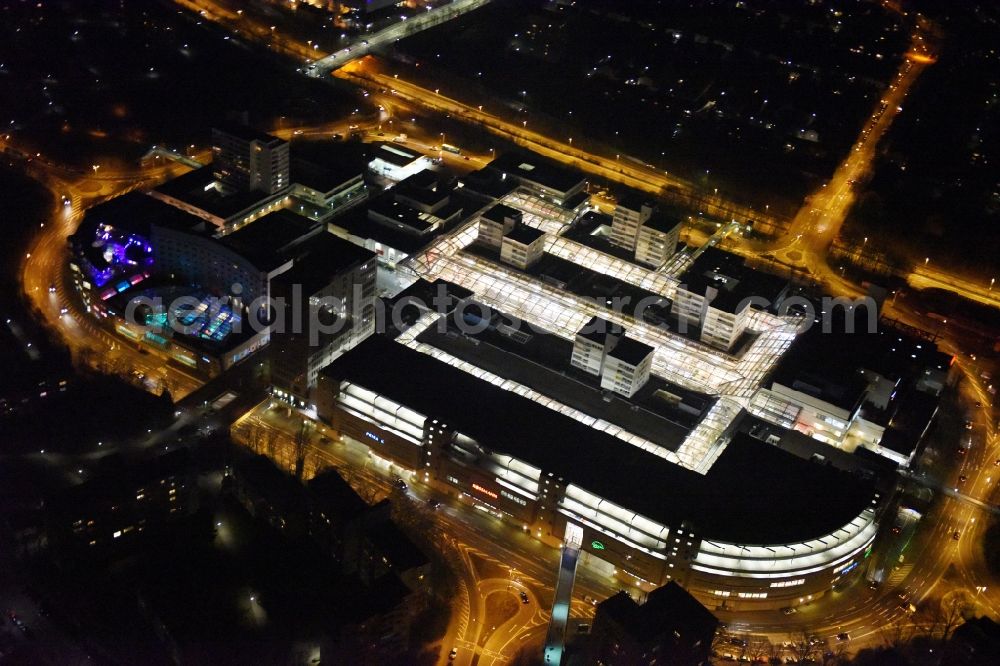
245,159
522,246
716,294
626,367
631,211
333,286
495,222
592,344
657,240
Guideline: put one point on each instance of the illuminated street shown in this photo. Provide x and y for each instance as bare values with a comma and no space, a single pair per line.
411,354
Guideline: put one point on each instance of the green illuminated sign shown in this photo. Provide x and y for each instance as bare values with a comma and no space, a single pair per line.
597,545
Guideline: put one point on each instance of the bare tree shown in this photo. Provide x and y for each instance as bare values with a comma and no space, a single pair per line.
898,634
757,647
802,647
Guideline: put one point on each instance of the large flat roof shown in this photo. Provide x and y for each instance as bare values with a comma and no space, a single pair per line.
138,213
195,188
265,241
319,259
538,170
246,133
786,501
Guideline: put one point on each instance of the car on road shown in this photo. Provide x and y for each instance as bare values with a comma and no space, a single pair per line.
524,597
52,288
956,535
399,483
788,610
453,654
843,636
433,503
996,462
962,450
968,425
63,310
963,478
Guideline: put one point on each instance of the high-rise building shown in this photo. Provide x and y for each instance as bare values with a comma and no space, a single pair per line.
245,159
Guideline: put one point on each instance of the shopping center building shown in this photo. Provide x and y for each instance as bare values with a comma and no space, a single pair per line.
762,528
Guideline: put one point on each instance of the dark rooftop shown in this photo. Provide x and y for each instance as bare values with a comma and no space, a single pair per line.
498,212
635,200
597,330
245,132
662,222
320,258
120,480
667,610
395,546
265,241
524,235
538,170
734,281
631,351
407,218
827,363
809,501
333,496
195,189
488,183
322,178
138,213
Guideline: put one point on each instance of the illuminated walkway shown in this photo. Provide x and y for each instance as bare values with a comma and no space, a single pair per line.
555,639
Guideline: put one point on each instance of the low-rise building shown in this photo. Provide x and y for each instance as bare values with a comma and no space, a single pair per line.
395,163
545,179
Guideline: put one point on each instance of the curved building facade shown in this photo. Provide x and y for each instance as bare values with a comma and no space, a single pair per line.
731,539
